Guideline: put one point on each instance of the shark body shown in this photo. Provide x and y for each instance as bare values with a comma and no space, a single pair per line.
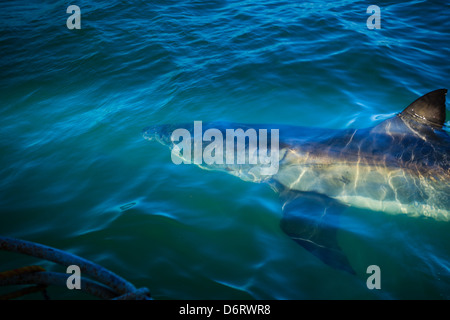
400,166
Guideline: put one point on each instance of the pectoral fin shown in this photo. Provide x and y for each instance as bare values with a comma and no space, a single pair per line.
311,220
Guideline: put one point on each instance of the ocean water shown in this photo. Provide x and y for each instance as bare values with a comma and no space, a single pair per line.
76,173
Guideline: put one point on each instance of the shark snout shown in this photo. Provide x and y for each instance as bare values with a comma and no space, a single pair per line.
150,133
159,133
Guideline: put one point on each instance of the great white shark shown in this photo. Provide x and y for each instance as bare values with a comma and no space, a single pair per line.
400,166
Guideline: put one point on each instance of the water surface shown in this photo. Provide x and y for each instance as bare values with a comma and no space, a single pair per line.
75,172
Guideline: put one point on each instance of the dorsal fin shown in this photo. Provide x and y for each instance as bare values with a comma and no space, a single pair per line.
428,109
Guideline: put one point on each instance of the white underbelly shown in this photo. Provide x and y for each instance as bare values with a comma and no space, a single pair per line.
390,190
394,207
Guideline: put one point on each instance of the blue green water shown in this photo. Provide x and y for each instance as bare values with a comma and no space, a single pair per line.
75,172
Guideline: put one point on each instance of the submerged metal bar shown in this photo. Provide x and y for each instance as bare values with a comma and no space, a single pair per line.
139,294
59,279
24,291
117,283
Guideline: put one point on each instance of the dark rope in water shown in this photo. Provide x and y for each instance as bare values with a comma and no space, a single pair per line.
118,287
